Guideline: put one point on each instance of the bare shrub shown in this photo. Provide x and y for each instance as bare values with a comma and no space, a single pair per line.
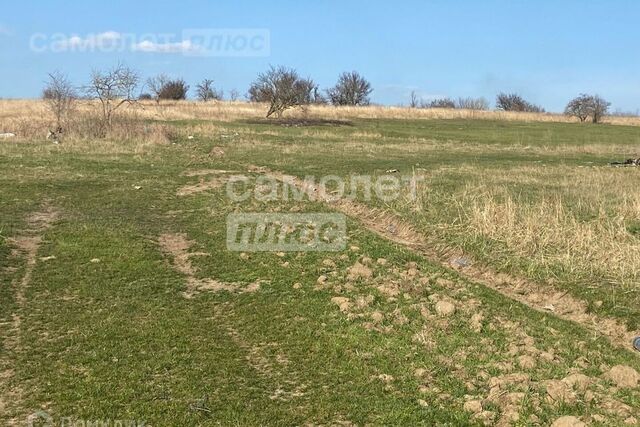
156,84
60,97
479,104
282,88
234,95
441,103
174,90
351,89
514,102
414,101
113,89
205,91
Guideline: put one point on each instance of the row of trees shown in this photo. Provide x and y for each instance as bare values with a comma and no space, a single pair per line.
583,107
504,102
284,88
280,87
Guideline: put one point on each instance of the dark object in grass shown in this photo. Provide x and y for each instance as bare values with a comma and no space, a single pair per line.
628,162
636,343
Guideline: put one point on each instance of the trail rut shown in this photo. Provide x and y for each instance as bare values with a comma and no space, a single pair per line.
543,298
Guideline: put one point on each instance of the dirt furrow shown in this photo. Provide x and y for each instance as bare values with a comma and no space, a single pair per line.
26,246
541,297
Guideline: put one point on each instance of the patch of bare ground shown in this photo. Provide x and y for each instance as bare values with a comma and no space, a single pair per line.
202,186
26,247
178,246
204,172
541,297
272,364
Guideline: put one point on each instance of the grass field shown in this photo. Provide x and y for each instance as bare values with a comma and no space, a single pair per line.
120,301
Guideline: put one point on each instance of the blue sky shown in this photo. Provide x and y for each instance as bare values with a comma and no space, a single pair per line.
546,50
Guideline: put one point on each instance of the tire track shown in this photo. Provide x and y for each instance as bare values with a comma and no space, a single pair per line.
540,297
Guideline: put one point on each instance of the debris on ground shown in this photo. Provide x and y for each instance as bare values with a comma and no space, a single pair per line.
628,162
460,262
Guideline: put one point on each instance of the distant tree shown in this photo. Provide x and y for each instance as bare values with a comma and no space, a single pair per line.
234,95
599,108
145,97
472,104
174,90
113,88
205,91
514,102
282,88
585,106
156,85
579,107
441,103
60,97
414,101
351,89
317,97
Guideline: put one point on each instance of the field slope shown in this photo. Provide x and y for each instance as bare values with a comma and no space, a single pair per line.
120,301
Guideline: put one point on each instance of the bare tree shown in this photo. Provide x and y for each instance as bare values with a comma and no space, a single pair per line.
600,108
351,89
585,106
480,104
60,97
579,107
113,88
156,85
317,97
282,88
514,102
414,102
234,95
205,91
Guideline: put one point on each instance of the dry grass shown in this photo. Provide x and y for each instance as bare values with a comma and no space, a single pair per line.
581,224
19,115
550,234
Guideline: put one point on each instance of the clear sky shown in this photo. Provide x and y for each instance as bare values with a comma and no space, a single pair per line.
546,50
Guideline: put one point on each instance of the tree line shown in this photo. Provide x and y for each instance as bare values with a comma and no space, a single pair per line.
281,88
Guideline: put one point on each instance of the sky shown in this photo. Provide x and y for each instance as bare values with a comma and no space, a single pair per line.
547,51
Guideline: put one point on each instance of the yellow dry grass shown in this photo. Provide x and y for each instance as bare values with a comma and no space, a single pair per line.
14,113
580,224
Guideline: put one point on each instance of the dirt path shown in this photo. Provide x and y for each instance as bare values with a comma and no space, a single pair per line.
543,298
26,247
178,246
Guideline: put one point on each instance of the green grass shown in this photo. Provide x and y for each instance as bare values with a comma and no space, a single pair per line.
115,339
